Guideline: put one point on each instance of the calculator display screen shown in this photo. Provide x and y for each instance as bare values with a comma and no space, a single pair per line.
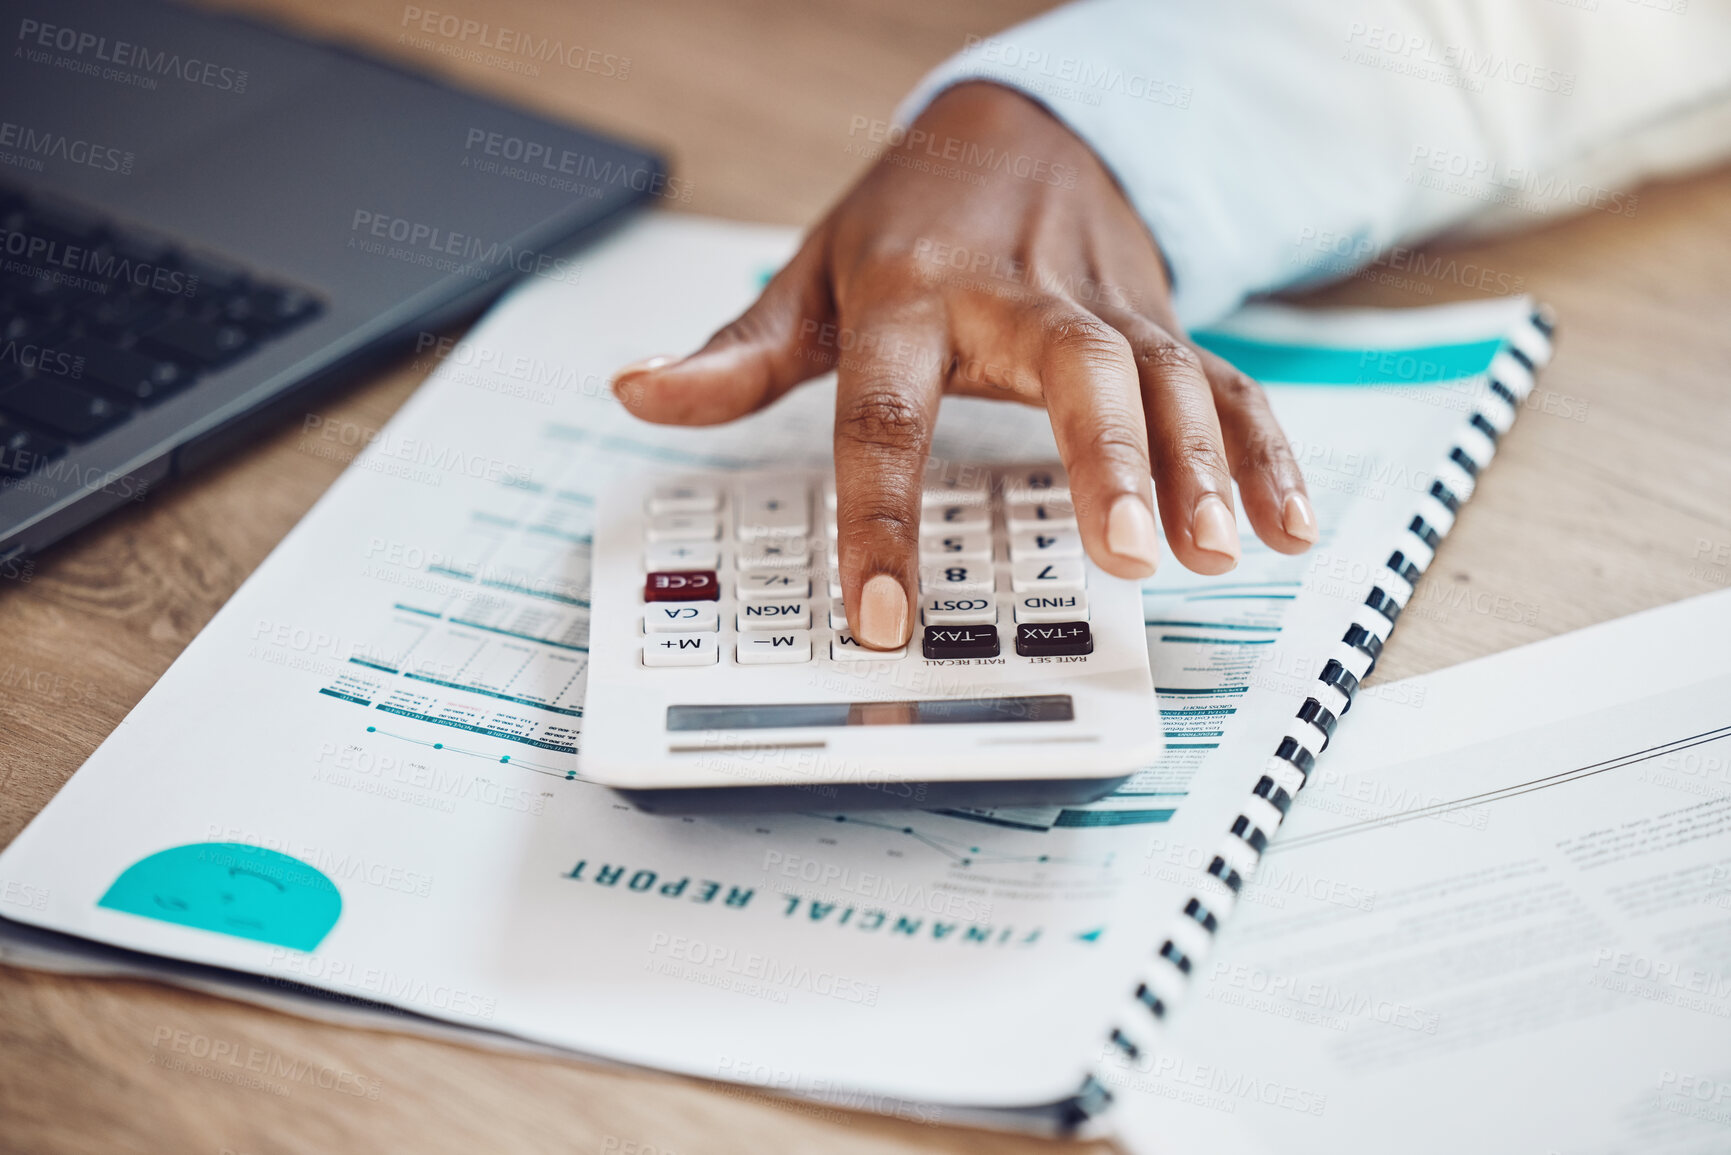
937,712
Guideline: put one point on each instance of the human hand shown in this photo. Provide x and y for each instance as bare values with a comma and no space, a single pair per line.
1011,267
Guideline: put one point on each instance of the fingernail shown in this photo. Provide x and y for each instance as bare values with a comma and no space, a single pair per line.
648,364
883,613
1213,528
1130,531
1298,519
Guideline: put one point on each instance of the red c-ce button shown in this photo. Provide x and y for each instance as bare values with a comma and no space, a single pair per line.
700,586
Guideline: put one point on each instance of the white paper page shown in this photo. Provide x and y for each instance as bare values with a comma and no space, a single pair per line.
1497,922
393,697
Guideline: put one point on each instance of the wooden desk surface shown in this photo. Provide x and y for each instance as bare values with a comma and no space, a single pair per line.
1612,494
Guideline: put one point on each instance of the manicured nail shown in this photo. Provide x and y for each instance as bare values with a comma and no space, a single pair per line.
1213,528
1298,519
623,377
883,613
1130,531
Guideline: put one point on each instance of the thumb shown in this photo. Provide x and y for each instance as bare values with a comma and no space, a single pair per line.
749,362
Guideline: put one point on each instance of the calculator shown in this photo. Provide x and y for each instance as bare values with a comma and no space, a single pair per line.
722,673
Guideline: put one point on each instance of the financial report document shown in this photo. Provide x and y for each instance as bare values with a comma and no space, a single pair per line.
378,739
1497,920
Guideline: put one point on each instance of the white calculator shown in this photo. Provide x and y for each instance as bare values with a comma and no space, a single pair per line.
722,671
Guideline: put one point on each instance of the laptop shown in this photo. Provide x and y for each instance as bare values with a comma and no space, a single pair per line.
204,221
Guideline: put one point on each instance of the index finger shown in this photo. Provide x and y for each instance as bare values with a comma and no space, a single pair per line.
886,402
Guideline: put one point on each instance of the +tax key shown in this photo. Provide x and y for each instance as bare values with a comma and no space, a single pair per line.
1053,639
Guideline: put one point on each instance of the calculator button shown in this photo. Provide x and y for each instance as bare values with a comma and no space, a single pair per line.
1021,516
1036,483
783,616
1057,574
772,553
847,648
672,556
950,610
961,577
780,649
1055,606
684,499
1039,543
837,613
954,484
681,618
834,583
774,509
965,546
960,642
682,587
683,527
682,650
1054,639
949,517
755,585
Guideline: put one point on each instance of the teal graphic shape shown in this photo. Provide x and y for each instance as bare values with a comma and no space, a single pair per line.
1324,365
230,888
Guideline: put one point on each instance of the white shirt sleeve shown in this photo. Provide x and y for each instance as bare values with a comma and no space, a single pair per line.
1269,143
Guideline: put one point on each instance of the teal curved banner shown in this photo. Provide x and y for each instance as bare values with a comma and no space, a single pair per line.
1325,365
230,888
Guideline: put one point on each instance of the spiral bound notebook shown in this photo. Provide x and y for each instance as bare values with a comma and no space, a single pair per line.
1508,381
358,793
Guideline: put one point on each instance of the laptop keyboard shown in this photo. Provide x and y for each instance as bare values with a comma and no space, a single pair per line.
99,322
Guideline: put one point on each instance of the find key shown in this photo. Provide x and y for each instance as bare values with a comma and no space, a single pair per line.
696,586
1053,639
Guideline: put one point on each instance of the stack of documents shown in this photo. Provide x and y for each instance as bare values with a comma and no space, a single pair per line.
363,781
